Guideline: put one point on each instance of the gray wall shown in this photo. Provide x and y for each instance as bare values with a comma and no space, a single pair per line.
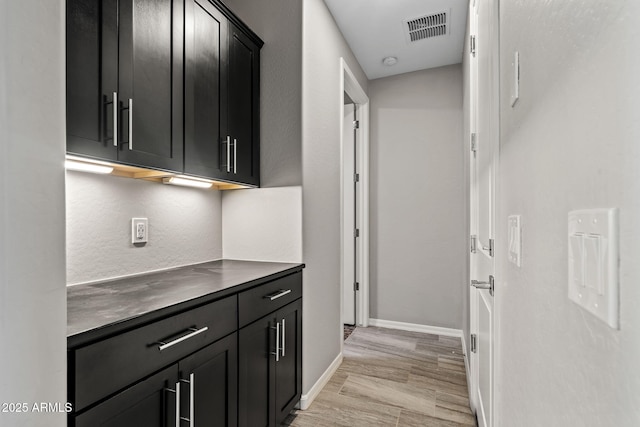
185,226
570,143
322,47
32,146
279,25
418,195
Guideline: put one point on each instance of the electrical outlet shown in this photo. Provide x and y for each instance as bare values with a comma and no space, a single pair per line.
139,230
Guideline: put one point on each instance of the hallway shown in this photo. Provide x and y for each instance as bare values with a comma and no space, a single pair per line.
394,378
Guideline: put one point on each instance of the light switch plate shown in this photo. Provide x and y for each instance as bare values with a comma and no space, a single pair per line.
515,76
515,239
593,262
139,230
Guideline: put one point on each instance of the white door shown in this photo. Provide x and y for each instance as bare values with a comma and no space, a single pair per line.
350,194
484,162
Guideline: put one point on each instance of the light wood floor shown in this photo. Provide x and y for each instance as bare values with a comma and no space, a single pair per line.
393,378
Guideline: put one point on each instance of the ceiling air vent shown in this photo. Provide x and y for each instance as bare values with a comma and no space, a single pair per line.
428,26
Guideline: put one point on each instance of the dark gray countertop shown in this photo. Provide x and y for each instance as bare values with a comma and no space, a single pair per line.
98,310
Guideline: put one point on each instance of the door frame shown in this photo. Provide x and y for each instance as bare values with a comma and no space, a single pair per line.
350,85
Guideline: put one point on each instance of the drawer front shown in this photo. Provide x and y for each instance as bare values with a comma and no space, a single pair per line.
105,367
263,299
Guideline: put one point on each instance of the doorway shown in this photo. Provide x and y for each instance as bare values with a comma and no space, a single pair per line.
354,143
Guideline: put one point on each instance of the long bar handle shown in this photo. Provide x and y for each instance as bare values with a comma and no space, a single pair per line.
115,119
228,153
165,345
191,383
278,294
235,155
277,352
283,338
130,124
177,392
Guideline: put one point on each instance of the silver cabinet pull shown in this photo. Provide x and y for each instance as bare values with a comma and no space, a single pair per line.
228,153
191,383
177,392
484,285
235,155
277,352
278,294
165,345
115,119
130,124
283,335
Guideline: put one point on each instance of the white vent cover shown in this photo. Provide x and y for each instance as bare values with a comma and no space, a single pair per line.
427,26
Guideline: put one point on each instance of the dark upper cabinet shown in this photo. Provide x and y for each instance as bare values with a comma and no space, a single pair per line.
222,93
125,81
243,130
206,65
270,384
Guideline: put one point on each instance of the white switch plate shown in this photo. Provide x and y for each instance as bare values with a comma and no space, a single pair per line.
515,239
515,75
139,230
593,262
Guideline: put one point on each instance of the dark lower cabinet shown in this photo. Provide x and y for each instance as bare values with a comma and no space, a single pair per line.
150,403
209,379
196,367
270,367
202,387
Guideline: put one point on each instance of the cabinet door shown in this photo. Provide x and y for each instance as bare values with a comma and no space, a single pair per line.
257,374
210,382
206,66
289,367
149,403
92,76
150,83
244,108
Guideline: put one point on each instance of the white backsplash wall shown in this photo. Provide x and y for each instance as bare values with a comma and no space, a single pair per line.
263,224
185,226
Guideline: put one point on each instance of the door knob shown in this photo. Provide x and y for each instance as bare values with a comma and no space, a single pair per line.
484,285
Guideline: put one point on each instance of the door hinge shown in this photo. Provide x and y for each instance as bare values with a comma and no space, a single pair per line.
491,248
356,286
474,343
472,45
356,124
474,142
356,233
474,244
356,177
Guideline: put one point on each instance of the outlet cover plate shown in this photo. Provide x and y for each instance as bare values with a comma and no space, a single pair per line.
139,230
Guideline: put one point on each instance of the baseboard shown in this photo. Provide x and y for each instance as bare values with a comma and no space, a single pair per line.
415,327
306,399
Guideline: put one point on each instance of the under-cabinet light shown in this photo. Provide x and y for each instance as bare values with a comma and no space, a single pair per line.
187,182
87,167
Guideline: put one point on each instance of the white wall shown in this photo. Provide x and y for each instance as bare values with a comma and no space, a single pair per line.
571,142
185,226
32,273
263,224
279,25
322,47
418,241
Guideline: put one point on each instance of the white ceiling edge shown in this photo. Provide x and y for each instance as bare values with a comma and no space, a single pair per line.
375,29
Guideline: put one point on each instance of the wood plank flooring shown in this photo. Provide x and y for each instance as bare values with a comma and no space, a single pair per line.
393,378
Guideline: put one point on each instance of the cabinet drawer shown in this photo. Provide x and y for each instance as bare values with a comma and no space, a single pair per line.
263,299
107,366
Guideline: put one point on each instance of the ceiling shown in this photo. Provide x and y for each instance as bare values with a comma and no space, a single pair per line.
375,29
